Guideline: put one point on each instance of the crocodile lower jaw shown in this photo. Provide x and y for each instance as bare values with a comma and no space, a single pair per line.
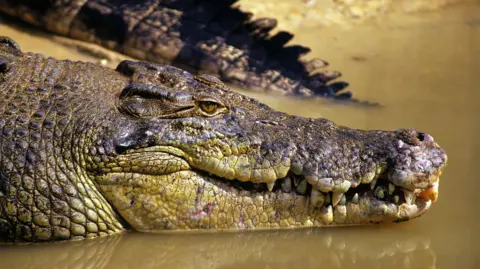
382,196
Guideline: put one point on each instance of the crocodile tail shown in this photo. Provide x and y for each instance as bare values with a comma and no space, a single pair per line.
205,36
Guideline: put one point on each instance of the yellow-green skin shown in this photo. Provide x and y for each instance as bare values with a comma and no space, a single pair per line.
88,151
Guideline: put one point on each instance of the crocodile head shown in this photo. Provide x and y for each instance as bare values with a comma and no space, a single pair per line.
170,151
190,154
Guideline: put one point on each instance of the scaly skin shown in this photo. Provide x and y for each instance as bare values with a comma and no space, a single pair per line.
88,151
201,36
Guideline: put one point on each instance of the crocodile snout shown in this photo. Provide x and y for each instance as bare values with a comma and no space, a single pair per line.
417,161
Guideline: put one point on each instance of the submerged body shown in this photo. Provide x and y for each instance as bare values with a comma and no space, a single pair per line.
88,151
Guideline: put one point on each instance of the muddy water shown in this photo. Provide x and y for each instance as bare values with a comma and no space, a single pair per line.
425,70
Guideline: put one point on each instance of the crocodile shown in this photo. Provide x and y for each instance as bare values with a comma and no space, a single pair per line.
88,151
202,37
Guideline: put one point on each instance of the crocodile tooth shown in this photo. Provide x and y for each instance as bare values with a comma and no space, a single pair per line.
380,170
391,188
409,197
430,194
343,200
355,198
302,187
270,185
317,198
380,193
383,209
296,168
405,210
400,144
368,178
373,183
342,187
336,198
396,198
286,185
323,184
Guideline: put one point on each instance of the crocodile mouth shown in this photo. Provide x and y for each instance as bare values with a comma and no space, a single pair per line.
304,200
380,197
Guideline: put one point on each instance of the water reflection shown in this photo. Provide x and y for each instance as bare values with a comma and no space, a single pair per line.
326,248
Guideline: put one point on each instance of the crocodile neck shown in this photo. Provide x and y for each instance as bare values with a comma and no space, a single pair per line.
45,195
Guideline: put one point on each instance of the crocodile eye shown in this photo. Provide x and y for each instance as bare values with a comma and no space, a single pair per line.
209,107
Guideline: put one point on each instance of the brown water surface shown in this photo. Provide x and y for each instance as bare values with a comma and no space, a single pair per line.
425,70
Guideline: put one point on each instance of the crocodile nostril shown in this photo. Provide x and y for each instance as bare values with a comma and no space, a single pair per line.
421,136
414,137
425,138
